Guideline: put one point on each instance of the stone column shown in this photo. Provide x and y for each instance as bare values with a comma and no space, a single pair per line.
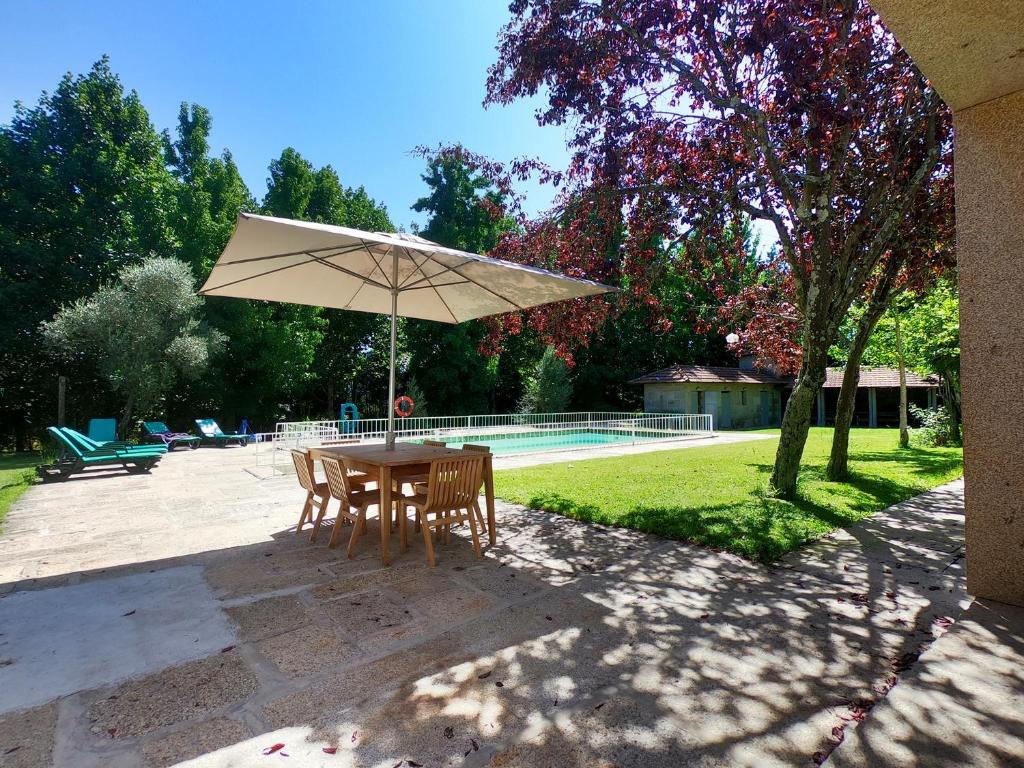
872,407
990,234
821,407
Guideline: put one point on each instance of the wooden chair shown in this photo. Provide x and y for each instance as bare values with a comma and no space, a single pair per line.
343,487
452,490
317,494
414,479
420,486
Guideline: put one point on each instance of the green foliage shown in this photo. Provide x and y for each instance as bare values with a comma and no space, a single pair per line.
446,358
550,388
936,427
143,332
83,192
413,390
715,495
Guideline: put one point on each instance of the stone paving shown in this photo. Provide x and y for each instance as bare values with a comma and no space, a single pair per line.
567,645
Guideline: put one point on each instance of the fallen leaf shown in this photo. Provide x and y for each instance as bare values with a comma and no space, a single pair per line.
355,735
111,732
475,745
414,764
272,749
600,705
500,684
704,616
449,732
484,676
333,751
129,613
227,648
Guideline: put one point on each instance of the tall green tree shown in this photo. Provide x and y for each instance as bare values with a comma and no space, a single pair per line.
83,192
550,387
465,213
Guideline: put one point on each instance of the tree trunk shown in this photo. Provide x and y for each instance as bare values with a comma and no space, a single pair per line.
796,421
126,418
904,433
839,459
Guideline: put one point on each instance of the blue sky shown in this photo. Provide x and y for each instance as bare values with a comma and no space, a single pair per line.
353,84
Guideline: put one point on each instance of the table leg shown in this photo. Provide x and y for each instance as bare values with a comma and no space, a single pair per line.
385,515
492,531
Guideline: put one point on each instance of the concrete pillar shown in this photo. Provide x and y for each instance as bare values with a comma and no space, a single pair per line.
933,400
821,407
990,230
872,407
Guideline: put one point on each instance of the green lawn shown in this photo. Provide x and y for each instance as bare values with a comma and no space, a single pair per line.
17,473
716,495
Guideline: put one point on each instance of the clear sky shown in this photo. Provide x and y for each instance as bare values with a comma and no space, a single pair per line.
356,84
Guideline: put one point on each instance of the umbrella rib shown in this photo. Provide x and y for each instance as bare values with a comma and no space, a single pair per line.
310,254
419,268
484,287
323,260
205,291
377,262
433,285
307,252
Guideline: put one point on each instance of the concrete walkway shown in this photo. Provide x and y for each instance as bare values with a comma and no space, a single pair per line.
567,645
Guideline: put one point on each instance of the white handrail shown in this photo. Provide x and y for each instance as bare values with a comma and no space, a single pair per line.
562,430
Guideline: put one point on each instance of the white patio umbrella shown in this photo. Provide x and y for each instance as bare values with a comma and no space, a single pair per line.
399,275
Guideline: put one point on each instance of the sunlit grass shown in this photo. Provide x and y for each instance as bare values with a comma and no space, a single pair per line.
17,473
716,495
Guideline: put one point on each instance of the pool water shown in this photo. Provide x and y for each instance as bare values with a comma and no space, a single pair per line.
505,445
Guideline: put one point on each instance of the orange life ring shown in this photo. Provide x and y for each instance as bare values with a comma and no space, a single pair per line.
404,406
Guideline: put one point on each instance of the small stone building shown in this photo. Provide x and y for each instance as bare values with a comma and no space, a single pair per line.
735,397
744,397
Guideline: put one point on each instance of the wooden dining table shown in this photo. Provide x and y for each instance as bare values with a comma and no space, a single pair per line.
403,459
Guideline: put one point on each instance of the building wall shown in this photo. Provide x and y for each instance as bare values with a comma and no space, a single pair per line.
989,229
736,414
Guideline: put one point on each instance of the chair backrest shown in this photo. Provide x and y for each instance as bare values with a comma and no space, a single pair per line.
65,441
209,427
435,443
102,430
155,427
339,480
304,469
454,482
83,442
477,448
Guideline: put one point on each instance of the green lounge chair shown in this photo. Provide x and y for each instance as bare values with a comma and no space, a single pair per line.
158,432
88,444
74,459
211,431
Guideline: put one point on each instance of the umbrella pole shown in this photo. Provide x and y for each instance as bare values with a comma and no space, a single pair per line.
389,440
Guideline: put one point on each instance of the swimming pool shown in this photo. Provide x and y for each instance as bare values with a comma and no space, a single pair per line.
550,440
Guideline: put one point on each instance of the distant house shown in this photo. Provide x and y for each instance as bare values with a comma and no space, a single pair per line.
878,396
736,397
744,397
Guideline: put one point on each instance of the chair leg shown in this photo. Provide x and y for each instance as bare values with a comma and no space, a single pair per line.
356,530
472,530
403,528
480,517
431,561
307,510
336,530
321,509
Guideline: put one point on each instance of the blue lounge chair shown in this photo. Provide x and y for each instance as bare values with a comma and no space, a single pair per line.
158,432
211,431
74,459
88,444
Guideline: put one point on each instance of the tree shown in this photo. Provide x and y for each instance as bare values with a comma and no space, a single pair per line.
550,388
83,192
806,115
143,332
466,212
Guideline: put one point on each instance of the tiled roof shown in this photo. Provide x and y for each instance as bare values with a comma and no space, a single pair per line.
870,378
708,374
877,378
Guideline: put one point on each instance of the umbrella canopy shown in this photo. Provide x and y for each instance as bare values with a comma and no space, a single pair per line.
400,275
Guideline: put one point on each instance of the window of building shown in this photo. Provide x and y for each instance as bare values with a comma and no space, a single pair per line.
743,397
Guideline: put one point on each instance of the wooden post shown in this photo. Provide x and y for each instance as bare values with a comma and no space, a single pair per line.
62,389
